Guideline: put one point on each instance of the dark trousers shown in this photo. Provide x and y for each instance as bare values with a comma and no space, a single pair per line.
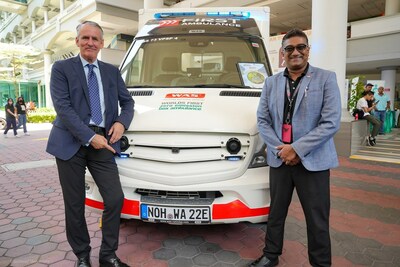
376,124
313,191
11,122
102,166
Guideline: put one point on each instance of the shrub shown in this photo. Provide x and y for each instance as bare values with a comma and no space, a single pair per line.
41,115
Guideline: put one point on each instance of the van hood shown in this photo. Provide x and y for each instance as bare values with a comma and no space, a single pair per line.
195,110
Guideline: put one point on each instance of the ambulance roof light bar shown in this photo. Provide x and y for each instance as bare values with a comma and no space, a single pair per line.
242,14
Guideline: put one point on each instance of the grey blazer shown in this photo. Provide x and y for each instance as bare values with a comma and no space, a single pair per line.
316,118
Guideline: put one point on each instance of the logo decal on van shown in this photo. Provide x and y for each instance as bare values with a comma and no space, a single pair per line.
184,95
171,22
182,101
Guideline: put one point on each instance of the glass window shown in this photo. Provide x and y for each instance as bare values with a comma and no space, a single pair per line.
190,60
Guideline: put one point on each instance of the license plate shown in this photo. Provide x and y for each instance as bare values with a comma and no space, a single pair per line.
166,214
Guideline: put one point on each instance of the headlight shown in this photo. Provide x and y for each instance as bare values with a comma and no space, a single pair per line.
260,155
233,145
124,143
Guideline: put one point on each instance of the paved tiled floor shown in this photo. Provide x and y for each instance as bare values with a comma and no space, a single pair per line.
365,220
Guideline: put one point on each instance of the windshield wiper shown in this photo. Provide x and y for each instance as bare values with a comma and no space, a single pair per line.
146,86
222,85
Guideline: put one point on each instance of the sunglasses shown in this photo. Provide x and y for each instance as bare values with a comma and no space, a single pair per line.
291,48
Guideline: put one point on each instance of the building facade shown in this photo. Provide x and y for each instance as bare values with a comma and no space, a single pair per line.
372,50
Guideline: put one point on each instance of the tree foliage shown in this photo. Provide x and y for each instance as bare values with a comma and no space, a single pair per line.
14,59
356,90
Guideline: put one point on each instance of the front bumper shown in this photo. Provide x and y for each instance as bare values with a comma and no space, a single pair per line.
244,199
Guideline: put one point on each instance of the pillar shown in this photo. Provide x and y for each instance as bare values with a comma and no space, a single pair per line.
328,51
329,43
153,4
47,69
33,25
392,7
62,6
388,74
23,32
45,14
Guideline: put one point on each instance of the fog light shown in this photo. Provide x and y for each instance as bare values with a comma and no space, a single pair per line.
233,145
124,143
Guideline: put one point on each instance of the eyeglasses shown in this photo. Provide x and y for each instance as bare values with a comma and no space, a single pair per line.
300,48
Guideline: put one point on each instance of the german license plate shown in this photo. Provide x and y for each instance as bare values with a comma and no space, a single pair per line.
167,214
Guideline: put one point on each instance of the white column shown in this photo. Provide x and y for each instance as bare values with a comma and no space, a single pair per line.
153,4
46,14
23,32
33,25
14,37
38,93
329,42
47,70
388,74
62,6
392,7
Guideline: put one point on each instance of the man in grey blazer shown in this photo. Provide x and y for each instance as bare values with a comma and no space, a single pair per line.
298,115
86,134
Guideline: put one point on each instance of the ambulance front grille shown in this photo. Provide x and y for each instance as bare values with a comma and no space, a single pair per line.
178,194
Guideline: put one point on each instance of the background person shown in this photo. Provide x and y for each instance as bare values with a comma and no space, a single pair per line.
363,105
11,117
85,134
368,88
22,113
298,115
382,105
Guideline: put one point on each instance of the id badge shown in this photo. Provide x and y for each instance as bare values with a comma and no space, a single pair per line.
286,133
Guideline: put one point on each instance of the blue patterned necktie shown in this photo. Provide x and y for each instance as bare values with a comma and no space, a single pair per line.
94,96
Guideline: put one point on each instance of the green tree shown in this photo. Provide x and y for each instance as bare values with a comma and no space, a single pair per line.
14,59
356,89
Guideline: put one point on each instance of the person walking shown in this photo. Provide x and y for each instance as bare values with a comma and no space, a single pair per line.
22,113
382,101
298,115
87,94
11,117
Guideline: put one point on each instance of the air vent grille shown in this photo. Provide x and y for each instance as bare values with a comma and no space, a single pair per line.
240,93
141,93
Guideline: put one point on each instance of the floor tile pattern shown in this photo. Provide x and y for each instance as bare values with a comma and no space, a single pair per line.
365,220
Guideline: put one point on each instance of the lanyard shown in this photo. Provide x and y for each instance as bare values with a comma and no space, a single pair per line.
290,98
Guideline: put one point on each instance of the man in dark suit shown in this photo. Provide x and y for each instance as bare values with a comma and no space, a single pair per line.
86,133
298,115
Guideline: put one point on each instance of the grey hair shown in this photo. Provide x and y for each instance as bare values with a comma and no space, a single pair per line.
91,23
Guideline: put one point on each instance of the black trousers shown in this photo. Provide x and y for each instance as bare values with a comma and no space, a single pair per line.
313,191
102,166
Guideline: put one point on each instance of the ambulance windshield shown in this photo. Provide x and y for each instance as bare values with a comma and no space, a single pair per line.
191,61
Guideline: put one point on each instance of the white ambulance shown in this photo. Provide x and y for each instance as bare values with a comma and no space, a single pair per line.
192,154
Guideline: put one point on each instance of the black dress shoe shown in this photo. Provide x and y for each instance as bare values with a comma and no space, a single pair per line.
264,262
83,262
113,262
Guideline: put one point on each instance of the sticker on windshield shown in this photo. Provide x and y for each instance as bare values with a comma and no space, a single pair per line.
252,74
182,101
